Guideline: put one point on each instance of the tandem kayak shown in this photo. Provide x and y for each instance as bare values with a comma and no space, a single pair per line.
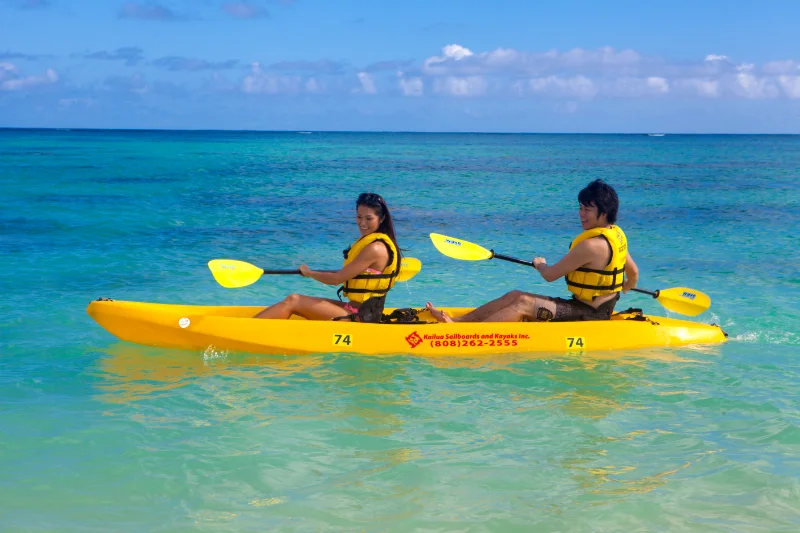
193,327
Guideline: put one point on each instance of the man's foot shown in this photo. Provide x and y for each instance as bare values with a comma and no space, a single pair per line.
441,316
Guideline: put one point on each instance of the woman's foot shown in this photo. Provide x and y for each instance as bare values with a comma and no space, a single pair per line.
441,316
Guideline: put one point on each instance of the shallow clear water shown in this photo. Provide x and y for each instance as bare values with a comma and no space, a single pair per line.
101,435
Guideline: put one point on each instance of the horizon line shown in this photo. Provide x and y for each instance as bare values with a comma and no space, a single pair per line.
302,131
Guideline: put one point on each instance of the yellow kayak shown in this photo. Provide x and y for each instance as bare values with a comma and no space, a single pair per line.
194,327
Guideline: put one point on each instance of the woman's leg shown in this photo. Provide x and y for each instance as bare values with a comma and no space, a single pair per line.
308,307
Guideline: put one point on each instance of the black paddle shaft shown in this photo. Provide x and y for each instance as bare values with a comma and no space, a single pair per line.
291,271
511,259
654,294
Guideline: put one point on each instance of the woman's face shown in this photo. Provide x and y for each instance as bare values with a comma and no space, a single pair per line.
367,220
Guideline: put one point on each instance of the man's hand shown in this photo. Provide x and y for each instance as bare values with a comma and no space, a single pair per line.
539,261
304,271
628,285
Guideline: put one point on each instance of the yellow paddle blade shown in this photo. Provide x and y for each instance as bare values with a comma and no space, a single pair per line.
232,274
409,267
684,301
458,249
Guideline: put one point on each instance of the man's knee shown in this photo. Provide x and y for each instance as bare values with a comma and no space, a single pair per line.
532,307
524,299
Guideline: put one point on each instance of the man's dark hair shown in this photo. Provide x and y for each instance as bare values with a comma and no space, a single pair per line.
603,196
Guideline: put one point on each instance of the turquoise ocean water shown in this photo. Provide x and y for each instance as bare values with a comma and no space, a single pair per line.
101,435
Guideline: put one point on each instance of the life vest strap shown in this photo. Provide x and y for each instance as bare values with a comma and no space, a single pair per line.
595,287
375,276
364,291
615,272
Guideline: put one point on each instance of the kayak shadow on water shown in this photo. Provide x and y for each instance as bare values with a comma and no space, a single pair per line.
130,372
591,385
508,360
588,385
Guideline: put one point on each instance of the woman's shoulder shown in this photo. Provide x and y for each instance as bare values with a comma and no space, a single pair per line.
377,247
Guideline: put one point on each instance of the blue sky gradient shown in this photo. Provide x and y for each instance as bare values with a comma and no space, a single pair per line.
582,66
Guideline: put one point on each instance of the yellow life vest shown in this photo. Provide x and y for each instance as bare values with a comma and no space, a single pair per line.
588,283
365,286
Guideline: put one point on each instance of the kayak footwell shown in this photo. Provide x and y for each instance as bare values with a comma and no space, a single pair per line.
233,328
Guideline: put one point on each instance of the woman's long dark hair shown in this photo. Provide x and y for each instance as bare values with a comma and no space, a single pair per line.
378,204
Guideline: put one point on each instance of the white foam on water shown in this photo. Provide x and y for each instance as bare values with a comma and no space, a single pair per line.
781,337
749,336
212,354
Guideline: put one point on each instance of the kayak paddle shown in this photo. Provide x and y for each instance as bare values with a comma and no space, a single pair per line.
233,274
678,299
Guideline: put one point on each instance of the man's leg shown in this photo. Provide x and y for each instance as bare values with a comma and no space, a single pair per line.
527,306
479,314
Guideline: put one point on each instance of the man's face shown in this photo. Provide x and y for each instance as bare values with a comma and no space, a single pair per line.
589,217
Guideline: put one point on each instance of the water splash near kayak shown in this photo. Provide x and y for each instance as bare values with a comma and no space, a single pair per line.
213,355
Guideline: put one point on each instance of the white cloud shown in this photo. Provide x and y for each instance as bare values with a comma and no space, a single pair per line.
260,82
312,85
11,81
601,56
410,86
456,51
788,66
572,87
703,87
451,52
455,86
7,70
790,85
502,57
457,60
634,87
367,83
586,74
753,87
659,84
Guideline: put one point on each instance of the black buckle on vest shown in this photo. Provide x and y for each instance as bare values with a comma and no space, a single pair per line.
369,311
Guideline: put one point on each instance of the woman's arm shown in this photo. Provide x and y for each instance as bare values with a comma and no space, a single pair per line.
374,253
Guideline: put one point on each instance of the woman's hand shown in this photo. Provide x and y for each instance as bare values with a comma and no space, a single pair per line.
539,261
305,271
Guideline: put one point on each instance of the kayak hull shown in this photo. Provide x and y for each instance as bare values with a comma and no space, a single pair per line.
193,327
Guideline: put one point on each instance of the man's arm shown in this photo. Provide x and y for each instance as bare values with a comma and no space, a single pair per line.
579,256
631,274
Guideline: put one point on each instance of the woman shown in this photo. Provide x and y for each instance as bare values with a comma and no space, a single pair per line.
370,268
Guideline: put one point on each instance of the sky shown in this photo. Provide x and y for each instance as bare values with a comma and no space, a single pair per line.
701,66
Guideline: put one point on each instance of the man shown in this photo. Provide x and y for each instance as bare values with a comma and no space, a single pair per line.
597,267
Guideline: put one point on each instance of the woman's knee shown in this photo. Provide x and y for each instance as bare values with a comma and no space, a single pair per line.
293,300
